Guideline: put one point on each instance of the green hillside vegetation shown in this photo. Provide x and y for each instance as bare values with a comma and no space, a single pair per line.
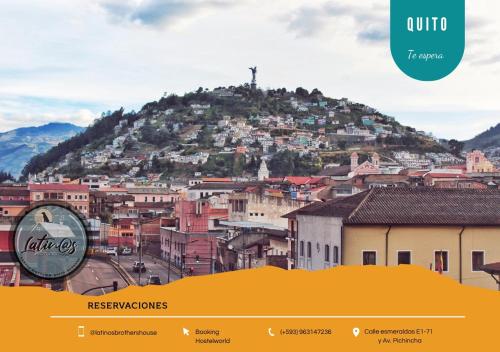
164,132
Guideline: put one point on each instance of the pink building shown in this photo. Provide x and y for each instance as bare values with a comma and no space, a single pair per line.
153,195
192,244
6,241
75,195
14,193
195,253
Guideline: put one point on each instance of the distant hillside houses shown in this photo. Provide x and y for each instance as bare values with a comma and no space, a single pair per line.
201,125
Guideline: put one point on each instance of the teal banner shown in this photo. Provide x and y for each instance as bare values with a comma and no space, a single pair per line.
427,37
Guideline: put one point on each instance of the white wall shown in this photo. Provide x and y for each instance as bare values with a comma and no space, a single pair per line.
320,231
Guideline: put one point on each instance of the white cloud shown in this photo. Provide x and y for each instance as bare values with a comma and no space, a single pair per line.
370,20
159,13
63,57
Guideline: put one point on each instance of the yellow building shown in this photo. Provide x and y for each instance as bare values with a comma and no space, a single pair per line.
453,231
456,230
478,163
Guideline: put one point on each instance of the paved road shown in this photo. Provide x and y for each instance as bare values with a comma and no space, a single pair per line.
153,267
96,273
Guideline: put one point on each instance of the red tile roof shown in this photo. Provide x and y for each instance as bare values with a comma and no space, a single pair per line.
338,207
444,175
15,191
412,206
457,167
428,206
273,179
58,187
113,189
19,203
419,173
302,180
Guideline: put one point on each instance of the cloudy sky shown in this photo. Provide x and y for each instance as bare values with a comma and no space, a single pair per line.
71,60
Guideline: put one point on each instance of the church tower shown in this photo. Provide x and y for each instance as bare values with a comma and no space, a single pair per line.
263,171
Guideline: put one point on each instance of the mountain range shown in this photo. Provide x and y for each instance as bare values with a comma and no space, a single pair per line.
18,146
487,139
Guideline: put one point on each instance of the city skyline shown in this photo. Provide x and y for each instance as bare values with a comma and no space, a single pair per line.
70,62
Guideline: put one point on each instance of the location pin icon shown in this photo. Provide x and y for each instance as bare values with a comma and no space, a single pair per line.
355,332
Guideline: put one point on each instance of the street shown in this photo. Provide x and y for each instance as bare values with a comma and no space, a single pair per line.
153,267
95,273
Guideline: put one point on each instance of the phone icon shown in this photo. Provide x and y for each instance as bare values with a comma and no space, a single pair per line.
81,331
270,332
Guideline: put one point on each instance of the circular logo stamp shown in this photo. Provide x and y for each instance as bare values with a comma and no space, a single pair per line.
50,241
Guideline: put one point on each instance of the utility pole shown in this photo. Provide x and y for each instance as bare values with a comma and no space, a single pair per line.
118,248
244,249
211,258
169,256
182,264
140,251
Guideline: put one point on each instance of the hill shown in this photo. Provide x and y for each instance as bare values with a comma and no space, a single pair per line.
226,131
18,146
487,139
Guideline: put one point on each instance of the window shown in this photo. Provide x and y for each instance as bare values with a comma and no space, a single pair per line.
335,254
301,248
327,253
309,250
259,251
199,208
441,261
69,196
477,260
369,258
404,257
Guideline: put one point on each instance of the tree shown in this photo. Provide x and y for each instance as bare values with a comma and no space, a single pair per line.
148,133
253,166
456,147
301,92
342,145
155,165
5,176
205,138
288,163
239,164
316,92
